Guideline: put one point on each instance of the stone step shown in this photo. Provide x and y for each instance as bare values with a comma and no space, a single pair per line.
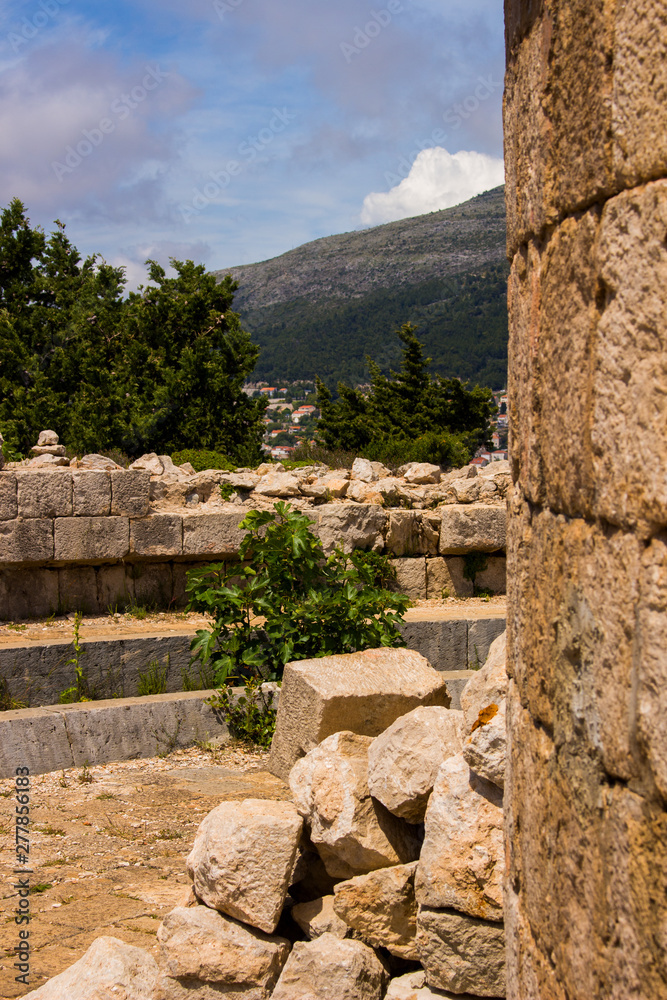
36,672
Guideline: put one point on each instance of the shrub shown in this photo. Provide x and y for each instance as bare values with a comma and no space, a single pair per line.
311,605
200,460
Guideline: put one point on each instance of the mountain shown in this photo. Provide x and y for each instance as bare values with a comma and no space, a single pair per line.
322,307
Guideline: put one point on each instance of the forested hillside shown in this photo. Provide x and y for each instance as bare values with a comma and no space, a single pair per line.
321,308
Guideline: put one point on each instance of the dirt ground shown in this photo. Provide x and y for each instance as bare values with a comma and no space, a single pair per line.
128,625
108,849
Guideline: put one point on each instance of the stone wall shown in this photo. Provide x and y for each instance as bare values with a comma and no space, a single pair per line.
586,826
82,539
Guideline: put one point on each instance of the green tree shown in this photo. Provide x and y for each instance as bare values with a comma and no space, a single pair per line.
407,416
158,370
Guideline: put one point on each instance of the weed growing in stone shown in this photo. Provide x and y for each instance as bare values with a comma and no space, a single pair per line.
154,680
79,691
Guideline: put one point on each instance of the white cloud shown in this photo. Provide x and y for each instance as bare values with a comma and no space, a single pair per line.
437,179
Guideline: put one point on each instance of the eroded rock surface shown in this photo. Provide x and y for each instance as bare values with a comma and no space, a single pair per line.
331,969
381,906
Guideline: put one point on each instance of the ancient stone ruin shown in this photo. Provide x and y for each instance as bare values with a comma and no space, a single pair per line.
96,536
382,877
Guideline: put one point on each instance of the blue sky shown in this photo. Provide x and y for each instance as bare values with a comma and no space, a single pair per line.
229,131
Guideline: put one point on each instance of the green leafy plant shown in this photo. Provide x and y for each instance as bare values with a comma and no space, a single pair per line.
250,718
7,700
153,680
80,690
226,490
200,459
312,605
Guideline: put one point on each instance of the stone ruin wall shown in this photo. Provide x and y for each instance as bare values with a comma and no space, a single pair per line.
586,826
87,539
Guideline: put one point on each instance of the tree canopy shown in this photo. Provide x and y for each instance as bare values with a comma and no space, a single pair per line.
408,416
160,369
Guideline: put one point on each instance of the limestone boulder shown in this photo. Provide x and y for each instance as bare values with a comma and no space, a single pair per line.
420,473
110,968
462,860
326,487
485,748
488,686
243,857
47,439
368,472
200,943
318,917
381,907
404,760
460,953
47,460
49,449
413,986
95,461
331,969
360,692
352,832
469,527
148,463
278,484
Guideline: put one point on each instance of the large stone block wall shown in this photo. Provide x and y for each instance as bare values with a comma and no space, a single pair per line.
586,824
89,540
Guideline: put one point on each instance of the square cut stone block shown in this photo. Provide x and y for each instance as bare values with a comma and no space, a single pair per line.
472,528
45,493
213,534
28,593
91,493
355,526
91,539
77,588
29,541
8,496
410,577
130,493
157,535
359,692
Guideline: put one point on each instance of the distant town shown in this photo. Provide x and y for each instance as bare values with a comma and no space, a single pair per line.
292,414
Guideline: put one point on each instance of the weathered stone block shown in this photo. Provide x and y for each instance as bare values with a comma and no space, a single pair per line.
352,832
485,748
151,583
410,577
639,93
460,953
331,969
412,533
574,591
361,692
317,917
462,862
652,665
157,535
213,534
558,119
114,589
444,643
130,493
77,587
91,494
199,943
468,528
488,685
381,907
403,762
29,541
28,593
629,408
583,853
109,968
243,857
33,738
358,526
44,494
494,577
444,578
8,496
482,633
91,539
